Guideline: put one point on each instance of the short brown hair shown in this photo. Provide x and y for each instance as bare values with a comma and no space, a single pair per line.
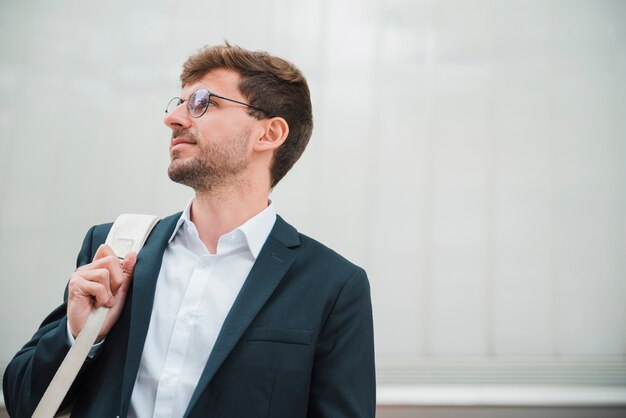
269,83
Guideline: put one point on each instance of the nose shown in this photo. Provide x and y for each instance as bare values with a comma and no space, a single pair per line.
178,118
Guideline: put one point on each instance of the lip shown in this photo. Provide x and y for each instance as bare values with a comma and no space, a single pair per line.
179,141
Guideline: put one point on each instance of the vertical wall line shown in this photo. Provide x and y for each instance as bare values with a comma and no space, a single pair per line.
554,233
429,177
490,210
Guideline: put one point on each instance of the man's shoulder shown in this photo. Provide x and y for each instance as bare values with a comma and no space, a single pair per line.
315,246
97,234
104,228
319,253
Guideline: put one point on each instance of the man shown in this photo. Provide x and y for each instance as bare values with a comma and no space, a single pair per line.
230,311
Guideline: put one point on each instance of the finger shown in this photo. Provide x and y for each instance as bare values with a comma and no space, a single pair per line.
128,265
104,251
100,276
82,288
112,264
128,268
108,261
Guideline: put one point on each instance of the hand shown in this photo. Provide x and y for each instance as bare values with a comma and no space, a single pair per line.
103,282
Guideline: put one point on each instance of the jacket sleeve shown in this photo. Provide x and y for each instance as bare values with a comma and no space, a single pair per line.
29,373
343,382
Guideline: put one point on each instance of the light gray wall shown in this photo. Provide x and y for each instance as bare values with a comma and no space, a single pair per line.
471,155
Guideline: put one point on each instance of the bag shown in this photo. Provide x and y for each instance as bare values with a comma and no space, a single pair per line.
128,233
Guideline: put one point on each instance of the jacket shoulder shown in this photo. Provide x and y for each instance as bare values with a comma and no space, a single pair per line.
311,249
97,235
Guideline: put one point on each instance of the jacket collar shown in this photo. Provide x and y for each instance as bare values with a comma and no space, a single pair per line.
275,257
144,284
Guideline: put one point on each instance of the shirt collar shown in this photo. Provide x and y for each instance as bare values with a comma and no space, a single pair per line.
183,218
255,230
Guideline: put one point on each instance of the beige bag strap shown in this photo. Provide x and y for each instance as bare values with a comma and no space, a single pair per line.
128,233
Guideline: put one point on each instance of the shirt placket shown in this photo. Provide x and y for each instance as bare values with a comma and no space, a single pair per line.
181,338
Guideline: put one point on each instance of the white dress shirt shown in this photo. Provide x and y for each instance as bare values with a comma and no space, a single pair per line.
194,293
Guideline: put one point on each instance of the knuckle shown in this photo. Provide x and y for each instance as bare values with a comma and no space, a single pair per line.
85,267
74,280
101,274
99,288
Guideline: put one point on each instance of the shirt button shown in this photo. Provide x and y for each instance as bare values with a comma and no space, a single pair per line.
189,319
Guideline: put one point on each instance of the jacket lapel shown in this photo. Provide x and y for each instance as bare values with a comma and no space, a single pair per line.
144,285
270,267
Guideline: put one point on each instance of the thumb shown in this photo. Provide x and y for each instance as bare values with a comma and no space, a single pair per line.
128,265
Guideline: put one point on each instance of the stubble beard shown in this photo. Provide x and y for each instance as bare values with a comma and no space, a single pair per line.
214,166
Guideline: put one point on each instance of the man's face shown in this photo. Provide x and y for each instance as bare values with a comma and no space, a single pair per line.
214,150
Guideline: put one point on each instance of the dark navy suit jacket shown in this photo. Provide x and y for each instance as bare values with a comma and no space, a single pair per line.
298,341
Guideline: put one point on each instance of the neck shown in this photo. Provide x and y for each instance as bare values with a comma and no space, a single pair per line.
217,212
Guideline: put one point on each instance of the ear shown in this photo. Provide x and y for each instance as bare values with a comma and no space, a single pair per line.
275,133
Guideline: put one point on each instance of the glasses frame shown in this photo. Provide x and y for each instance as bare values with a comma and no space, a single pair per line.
181,101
